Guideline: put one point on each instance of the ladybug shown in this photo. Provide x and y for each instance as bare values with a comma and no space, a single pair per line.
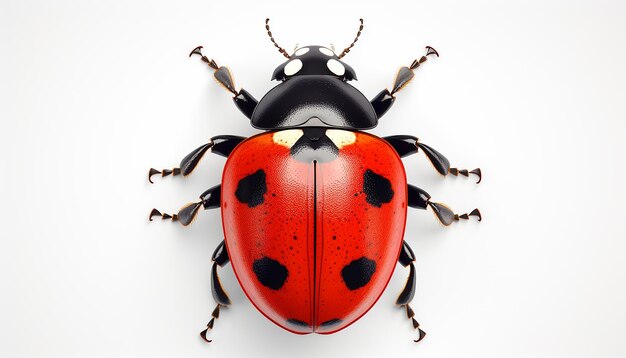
314,208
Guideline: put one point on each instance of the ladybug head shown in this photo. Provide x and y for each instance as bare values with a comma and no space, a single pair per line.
314,92
314,60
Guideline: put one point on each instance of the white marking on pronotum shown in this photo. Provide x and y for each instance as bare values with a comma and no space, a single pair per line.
287,138
326,51
301,51
336,67
293,67
340,137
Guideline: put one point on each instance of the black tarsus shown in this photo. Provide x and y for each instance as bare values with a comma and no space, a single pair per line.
214,315
210,62
474,212
164,216
210,199
185,215
466,173
420,199
416,325
163,172
429,51
447,216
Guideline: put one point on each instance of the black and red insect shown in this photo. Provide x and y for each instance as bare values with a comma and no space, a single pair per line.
313,208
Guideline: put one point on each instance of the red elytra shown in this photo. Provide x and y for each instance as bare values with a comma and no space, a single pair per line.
311,248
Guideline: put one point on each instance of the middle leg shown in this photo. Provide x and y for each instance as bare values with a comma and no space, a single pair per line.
420,199
210,199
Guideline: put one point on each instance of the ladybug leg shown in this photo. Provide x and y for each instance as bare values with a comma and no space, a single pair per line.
407,257
220,258
222,145
242,98
420,199
210,199
383,100
406,145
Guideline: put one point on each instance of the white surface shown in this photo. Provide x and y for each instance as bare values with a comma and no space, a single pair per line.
95,93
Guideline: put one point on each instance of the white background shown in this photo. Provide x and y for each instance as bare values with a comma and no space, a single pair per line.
95,93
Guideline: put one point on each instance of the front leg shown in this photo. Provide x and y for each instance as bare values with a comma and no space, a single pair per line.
242,98
406,145
210,199
222,145
383,100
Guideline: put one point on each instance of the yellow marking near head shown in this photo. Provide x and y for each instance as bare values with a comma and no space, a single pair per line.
287,138
340,137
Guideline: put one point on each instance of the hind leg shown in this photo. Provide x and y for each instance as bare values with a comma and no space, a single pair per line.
406,296
220,258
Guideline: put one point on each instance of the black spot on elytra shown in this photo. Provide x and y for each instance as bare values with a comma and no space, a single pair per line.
377,188
331,322
250,189
358,272
297,322
270,272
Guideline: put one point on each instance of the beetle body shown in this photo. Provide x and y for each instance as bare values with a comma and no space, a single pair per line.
313,208
313,237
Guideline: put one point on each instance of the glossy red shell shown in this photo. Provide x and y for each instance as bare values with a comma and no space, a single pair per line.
314,220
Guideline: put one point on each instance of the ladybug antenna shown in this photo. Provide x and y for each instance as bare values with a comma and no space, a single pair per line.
269,33
347,49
